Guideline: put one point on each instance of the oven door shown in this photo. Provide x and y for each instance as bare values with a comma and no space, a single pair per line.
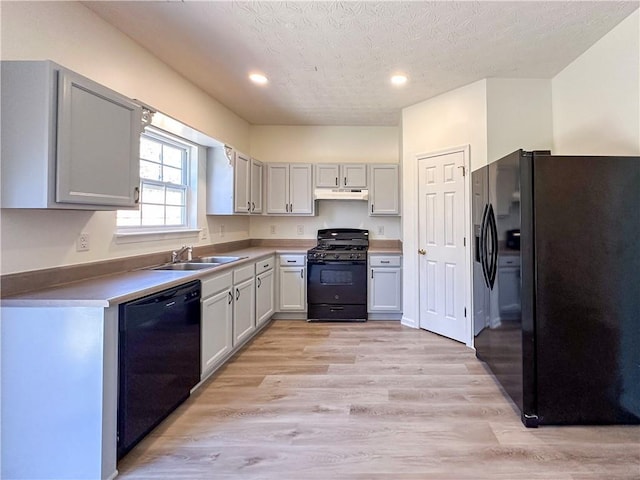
337,283
337,290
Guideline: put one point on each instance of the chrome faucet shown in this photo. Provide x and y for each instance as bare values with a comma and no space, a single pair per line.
177,255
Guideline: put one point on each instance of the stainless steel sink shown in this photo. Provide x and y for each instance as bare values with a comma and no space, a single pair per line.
216,259
200,263
187,266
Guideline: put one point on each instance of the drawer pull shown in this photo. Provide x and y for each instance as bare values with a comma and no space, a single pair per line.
385,261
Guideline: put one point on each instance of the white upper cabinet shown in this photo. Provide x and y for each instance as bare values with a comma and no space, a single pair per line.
352,175
241,184
327,175
257,179
289,189
234,182
67,142
384,190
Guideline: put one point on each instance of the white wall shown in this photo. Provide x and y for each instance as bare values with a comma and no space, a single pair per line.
453,119
73,36
326,144
596,99
518,116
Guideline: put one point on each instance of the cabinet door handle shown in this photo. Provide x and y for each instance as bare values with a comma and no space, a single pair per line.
259,282
248,206
301,274
136,195
372,208
230,298
345,181
291,208
371,273
286,207
237,294
336,181
253,206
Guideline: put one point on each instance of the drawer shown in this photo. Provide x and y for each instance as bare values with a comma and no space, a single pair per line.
265,264
216,283
291,260
508,261
385,260
243,273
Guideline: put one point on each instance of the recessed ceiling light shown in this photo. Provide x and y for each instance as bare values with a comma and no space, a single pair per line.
399,79
258,78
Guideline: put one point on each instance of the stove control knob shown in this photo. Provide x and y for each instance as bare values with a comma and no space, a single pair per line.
322,255
336,255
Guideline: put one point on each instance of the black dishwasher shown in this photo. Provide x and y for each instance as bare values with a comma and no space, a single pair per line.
159,359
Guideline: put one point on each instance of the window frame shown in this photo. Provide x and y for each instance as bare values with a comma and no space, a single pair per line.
189,187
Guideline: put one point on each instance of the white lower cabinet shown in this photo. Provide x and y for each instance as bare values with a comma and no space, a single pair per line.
244,310
265,290
217,321
385,283
228,315
509,282
292,281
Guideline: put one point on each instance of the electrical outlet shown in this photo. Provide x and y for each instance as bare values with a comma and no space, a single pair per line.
82,243
222,230
272,229
300,229
380,229
204,234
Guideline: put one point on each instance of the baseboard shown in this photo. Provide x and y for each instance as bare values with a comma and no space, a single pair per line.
384,316
408,322
290,316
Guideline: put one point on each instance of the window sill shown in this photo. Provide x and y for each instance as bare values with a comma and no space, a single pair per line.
154,236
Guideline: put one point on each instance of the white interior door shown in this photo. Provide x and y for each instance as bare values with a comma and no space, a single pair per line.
442,257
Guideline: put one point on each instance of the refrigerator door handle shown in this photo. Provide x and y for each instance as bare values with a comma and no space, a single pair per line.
493,265
483,245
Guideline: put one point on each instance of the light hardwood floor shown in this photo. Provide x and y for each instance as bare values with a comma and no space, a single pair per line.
367,401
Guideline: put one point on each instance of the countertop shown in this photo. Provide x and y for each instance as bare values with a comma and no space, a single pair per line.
114,289
118,288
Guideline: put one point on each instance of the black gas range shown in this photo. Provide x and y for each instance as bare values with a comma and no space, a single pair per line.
337,276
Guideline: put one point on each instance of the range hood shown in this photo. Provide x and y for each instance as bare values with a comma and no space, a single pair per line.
340,194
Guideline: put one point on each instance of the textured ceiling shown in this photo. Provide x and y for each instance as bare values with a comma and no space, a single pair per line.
329,63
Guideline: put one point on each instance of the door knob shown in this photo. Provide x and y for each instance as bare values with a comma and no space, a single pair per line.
422,251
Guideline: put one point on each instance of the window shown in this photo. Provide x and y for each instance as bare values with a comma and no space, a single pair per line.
164,185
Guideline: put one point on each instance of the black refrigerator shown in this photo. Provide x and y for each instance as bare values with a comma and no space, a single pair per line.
556,285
